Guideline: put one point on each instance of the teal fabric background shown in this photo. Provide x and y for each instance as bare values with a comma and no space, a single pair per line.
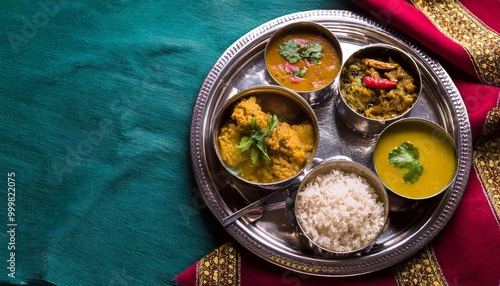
95,102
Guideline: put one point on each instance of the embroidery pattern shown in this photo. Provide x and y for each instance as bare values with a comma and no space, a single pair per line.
457,23
420,270
219,268
486,158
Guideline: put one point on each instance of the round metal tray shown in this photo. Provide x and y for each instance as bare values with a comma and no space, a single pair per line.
411,225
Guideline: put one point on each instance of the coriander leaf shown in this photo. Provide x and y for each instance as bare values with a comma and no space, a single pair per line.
259,135
313,52
273,122
255,154
406,157
260,138
299,73
253,124
403,154
415,170
290,51
245,143
256,142
263,148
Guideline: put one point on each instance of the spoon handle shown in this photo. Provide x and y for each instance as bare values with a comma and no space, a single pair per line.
241,212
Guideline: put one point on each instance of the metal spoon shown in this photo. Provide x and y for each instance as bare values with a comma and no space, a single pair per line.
255,209
256,213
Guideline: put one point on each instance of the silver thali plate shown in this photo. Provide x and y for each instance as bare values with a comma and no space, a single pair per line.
411,225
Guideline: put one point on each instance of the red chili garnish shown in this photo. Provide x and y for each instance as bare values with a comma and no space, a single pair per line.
373,82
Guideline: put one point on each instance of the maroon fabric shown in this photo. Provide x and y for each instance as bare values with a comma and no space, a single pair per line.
187,277
467,248
485,10
478,98
408,19
255,271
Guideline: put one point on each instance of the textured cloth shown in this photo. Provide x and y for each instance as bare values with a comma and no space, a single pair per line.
466,251
96,103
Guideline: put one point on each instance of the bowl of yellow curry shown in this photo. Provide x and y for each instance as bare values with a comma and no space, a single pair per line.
266,136
378,84
305,57
415,158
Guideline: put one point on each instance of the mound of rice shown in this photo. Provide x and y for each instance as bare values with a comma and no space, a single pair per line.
339,211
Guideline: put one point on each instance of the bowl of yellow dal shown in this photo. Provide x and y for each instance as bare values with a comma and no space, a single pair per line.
266,136
415,158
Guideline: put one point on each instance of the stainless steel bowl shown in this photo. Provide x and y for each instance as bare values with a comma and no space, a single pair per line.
287,105
437,135
359,122
346,166
320,94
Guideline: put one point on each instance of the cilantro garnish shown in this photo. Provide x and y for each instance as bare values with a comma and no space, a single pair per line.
292,51
299,72
256,141
406,156
313,52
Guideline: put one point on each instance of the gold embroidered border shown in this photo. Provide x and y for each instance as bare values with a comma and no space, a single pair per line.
219,268
487,158
421,269
457,23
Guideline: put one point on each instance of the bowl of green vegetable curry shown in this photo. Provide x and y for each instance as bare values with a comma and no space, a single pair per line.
378,85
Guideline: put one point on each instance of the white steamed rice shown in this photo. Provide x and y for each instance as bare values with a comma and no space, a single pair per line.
339,211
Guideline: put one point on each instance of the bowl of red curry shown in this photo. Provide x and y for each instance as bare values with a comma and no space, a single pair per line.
305,57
